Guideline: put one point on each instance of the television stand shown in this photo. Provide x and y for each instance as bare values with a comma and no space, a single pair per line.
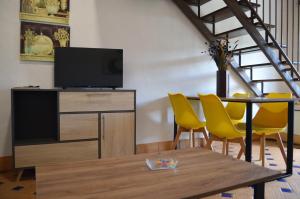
74,124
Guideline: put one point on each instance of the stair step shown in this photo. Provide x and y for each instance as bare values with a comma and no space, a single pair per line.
225,13
286,69
254,48
195,2
255,65
261,65
293,62
270,80
241,31
296,62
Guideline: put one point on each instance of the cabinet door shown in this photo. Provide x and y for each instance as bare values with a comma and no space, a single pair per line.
117,134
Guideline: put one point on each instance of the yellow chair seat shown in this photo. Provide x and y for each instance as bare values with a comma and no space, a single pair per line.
259,130
236,110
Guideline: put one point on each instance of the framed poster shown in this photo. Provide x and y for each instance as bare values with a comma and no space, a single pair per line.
50,11
38,40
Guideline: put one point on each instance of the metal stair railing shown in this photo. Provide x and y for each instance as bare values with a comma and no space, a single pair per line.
262,43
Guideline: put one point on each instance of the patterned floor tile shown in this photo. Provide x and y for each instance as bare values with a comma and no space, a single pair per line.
281,180
286,190
226,195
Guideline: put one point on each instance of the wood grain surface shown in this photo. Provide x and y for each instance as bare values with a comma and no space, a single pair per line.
95,101
36,155
200,173
117,134
78,126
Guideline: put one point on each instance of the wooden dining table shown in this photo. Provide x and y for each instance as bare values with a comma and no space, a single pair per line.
199,173
249,115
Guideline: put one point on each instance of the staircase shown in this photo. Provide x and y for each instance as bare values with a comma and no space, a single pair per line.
266,25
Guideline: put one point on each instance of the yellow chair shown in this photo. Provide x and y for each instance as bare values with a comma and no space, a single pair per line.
219,124
186,118
271,119
236,111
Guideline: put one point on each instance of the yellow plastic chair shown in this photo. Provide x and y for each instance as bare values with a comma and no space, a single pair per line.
270,120
186,119
236,111
219,124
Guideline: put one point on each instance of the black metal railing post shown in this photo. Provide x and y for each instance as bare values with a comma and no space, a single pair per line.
199,9
298,34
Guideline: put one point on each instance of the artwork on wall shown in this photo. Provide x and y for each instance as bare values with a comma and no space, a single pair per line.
39,40
50,11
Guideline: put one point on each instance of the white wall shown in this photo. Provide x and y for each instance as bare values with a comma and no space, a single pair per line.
162,53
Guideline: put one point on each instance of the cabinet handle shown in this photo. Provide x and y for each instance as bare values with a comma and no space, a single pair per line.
98,94
103,127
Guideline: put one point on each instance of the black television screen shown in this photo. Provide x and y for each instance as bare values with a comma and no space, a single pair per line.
88,67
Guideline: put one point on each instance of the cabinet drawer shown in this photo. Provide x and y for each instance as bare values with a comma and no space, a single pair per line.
78,126
36,155
95,101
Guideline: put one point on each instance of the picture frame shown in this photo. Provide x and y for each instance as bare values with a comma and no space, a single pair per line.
49,11
37,41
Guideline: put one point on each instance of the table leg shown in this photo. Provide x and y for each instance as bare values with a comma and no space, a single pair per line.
290,140
259,191
248,153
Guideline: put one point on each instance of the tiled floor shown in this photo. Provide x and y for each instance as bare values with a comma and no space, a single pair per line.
288,188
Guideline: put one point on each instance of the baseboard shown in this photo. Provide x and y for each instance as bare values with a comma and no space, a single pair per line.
164,146
6,163
284,138
296,138
153,147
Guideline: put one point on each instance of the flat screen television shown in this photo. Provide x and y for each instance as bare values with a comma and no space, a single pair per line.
88,67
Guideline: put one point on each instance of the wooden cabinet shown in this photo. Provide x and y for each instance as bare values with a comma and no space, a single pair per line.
117,134
56,125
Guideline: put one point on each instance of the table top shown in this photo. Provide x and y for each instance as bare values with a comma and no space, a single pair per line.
251,99
199,173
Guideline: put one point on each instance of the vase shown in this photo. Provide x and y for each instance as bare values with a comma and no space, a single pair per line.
222,83
63,42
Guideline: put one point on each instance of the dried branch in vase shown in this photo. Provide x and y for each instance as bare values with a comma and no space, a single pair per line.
220,53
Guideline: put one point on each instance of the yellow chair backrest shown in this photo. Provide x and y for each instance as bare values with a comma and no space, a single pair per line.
236,110
273,115
218,121
185,116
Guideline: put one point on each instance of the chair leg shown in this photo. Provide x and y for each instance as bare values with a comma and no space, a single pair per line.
194,139
240,154
19,176
191,138
209,144
201,143
260,154
242,150
176,138
281,146
227,148
224,146
204,132
262,149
